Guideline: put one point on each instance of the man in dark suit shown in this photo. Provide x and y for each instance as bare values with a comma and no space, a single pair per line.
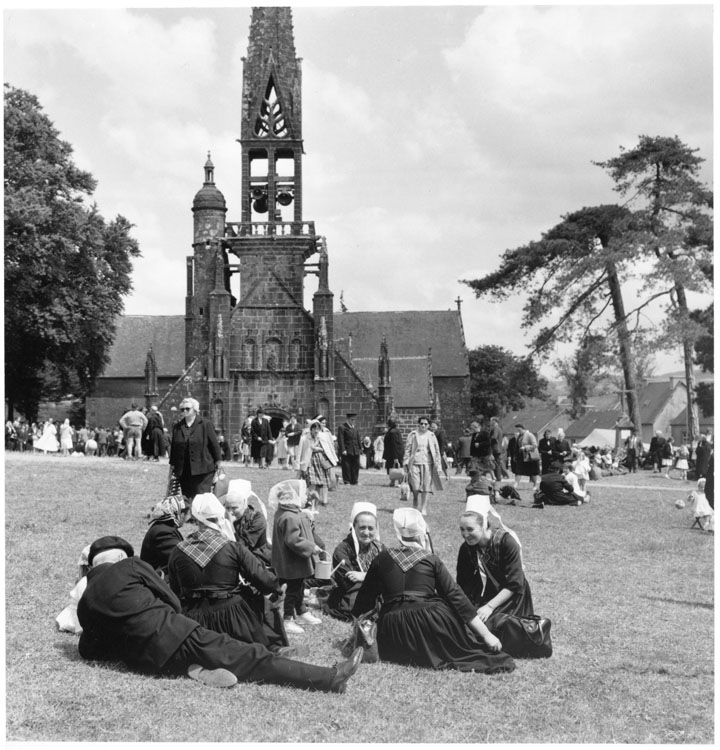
129,613
349,448
556,490
261,436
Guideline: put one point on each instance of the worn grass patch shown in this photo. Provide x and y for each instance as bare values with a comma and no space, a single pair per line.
626,582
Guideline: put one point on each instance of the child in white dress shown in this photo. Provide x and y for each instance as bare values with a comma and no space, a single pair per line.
697,502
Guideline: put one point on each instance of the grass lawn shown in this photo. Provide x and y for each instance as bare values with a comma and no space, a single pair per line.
626,582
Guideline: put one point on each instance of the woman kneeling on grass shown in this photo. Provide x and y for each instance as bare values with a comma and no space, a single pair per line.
425,616
489,566
352,558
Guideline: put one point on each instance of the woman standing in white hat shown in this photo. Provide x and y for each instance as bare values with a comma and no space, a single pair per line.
425,618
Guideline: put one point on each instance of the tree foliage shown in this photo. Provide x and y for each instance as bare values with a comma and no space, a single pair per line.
574,273
66,268
672,222
501,381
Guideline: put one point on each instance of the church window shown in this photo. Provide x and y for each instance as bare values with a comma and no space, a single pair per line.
271,120
295,348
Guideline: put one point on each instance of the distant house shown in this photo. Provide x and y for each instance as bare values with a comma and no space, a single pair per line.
601,422
537,416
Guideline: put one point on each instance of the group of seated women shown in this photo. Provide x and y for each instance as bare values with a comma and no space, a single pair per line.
221,573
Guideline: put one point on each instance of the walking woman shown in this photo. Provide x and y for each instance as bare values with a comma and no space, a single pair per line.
422,463
317,459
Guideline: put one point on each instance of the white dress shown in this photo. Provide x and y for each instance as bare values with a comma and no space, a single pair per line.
48,441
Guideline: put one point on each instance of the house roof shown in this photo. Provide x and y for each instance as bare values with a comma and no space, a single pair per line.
135,334
537,416
593,420
408,334
681,420
653,398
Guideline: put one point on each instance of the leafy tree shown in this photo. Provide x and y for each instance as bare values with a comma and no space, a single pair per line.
66,268
583,371
574,272
705,357
501,381
672,221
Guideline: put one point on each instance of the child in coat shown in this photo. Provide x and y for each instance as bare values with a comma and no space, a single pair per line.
293,545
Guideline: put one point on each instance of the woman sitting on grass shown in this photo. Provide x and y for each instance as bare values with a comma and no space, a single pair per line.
247,513
489,566
164,534
425,616
207,572
353,556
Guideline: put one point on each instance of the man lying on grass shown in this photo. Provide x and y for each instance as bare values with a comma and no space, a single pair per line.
128,613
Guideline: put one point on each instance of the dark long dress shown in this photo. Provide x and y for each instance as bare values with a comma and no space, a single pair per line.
424,615
342,597
251,530
212,595
501,559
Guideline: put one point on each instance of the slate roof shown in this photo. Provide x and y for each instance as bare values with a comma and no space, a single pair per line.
134,335
537,416
408,334
653,398
593,420
408,376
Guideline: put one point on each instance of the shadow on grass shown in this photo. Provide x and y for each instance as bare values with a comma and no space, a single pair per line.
702,605
69,649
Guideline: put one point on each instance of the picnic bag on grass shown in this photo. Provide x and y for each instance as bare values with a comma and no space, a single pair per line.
364,633
522,637
404,490
396,474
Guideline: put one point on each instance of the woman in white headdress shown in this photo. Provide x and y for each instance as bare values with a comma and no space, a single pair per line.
489,566
317,458
248,515
425,619
352,558
205,571
48,441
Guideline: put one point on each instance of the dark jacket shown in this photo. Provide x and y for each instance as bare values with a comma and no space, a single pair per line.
202,444
160,540
393,447
293,542
557,490
348,440
129,613
342,597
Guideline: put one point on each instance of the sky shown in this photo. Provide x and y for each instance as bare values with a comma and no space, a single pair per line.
435,137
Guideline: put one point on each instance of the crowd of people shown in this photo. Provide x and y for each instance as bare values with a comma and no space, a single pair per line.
219,583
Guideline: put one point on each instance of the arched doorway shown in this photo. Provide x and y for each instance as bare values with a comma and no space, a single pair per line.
277,418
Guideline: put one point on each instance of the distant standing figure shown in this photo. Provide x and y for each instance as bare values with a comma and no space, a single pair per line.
66,442
497,436
702,456
48,442
545,446
422,461
261,436
194,450
349,449
393,448
667,453
462,452
133,423
528,464
155,433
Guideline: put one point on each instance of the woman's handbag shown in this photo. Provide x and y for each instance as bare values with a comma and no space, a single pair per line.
522,637
325,463
396,474
364,633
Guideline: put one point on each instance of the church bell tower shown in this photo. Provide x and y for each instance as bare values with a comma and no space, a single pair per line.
246,318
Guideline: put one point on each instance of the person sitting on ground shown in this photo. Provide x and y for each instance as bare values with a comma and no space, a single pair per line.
206,571
574,481
481,483
555,489
129,614
163,534
352,558
489,565
425,618
248,516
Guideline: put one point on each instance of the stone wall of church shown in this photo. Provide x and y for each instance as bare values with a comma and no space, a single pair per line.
351,395
454,397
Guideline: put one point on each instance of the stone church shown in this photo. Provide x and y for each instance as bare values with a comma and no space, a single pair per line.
246,339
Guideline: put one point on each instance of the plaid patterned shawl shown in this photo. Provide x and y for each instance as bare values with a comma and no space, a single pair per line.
202,545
